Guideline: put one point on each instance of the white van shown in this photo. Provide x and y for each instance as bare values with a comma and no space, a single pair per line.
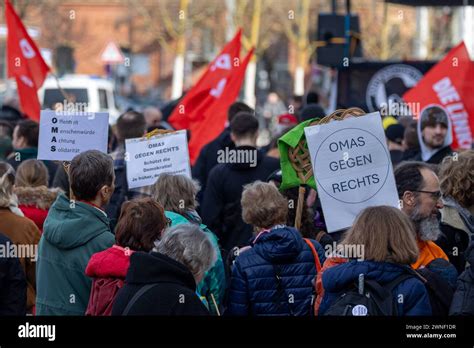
94,94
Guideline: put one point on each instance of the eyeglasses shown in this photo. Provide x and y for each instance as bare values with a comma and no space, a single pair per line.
434,194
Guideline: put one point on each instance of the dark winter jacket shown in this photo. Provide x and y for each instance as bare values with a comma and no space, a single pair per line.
463,300
221,210
108,270
173,292
12,283
255,288
208,158
337,279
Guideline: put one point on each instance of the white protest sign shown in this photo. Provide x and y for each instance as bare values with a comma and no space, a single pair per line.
63,135
148,158
352,168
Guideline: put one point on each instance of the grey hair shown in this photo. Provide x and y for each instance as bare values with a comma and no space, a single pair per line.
189,245
176,193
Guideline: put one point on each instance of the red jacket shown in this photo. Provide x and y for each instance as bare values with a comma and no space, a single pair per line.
35,214
108,269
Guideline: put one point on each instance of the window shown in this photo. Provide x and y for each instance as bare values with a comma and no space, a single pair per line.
103,103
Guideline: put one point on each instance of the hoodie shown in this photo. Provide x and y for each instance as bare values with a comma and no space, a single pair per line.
171,292
339,278
73,232
434,155
279,266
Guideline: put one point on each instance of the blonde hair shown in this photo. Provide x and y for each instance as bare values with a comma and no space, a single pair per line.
456,178
263,206
31,173
176,193
386,233
8,199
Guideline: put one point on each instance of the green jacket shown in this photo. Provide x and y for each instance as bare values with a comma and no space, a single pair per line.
73,231
214,281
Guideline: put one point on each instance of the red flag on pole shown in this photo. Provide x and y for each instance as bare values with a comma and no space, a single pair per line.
449,85
203,110
24,63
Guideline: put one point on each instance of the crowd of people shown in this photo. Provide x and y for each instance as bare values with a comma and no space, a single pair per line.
223,241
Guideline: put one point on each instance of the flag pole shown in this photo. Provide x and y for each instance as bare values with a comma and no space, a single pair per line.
63,92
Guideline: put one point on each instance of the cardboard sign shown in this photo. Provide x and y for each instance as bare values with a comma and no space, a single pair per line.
352,168
147,159
63,135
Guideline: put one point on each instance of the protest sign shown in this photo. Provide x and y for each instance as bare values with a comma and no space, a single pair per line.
352,168
148,158
63,135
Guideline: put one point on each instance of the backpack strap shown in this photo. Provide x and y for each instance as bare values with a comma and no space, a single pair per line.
315,254
135,297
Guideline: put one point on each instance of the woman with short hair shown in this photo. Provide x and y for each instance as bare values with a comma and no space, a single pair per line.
139,227
273,276
177,194
385,240
163,282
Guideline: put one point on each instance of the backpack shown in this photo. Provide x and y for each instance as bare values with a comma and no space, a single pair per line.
367,297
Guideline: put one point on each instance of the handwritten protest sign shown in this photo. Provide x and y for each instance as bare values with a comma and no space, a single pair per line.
63,135
147,158
352,168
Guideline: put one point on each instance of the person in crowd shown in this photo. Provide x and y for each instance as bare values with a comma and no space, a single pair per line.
25,146
312,97
221,209
20,230
463,299
311,111
154,119
209,153
274,276
420,198
394,134
6,135
74,230
12,283
163,282
177,194
389,248
140,225
410,143
434,135
31,188
457,216
273,107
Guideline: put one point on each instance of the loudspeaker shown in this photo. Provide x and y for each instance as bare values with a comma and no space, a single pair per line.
332,48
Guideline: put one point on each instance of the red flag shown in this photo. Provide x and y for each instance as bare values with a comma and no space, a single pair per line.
450,85
203,110
24,63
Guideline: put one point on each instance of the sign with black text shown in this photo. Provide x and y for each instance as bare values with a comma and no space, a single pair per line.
63,135
352,168
148,158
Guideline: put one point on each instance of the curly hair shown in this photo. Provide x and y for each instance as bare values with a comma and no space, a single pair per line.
263,206
456,178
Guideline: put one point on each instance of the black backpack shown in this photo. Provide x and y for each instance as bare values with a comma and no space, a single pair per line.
367,298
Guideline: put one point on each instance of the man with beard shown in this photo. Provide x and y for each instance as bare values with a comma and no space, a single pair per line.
434,135
420,198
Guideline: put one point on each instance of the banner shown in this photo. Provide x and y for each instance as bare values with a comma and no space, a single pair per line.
25,63
63,135
203,110
449,85
352,168
148,158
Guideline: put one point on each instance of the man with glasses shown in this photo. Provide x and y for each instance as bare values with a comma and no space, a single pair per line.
420,198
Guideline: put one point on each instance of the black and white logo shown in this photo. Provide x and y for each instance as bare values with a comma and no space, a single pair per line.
388,85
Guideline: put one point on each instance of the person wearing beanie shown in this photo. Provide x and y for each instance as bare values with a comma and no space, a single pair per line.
311,111
434,134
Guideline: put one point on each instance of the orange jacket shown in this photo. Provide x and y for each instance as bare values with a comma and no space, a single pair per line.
429,251
330,262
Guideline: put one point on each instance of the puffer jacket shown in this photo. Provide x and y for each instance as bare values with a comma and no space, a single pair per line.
463,300
255,288
212,287
339,278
